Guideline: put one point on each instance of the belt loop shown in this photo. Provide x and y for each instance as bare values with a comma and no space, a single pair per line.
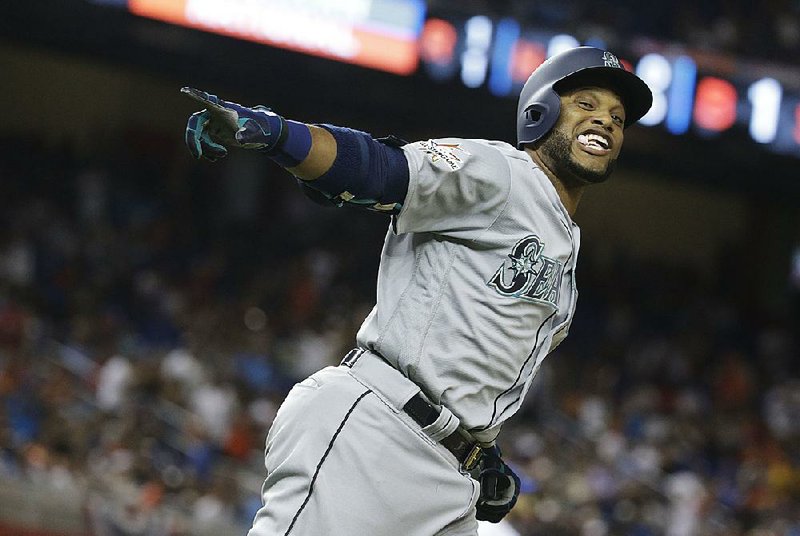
401,394
444,425
386,382
352,356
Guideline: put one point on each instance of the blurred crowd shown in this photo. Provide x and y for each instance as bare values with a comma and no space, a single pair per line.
154,312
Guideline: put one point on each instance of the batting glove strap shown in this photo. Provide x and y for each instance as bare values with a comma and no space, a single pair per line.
293,145
499,487
286,142
259,128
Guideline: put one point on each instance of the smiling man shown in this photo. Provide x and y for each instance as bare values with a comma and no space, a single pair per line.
571,117
476,286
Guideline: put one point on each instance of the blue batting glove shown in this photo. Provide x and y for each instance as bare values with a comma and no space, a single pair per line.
500,487
224,124
198,140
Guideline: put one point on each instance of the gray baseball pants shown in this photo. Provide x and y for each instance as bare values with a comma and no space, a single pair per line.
344,459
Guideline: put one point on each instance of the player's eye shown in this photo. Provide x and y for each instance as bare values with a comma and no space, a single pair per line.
617,119
586,105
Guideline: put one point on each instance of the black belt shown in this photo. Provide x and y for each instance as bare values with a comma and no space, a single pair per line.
467,452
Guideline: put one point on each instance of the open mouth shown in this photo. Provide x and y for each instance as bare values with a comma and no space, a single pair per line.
594,143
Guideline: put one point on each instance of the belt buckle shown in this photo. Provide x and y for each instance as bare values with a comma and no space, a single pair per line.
472,458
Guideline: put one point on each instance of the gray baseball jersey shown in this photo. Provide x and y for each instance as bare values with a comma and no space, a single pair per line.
476,286
477,278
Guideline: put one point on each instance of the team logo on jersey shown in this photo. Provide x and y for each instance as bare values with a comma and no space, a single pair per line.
610,60
452,154
529,275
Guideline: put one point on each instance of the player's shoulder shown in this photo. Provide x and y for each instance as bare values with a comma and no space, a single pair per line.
459,151
483,144
506,149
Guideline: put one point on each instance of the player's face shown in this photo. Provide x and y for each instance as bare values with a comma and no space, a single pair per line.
586,140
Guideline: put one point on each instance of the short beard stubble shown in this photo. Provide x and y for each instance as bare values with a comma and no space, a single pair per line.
556,147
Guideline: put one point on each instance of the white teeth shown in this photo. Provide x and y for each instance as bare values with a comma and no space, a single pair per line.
593,140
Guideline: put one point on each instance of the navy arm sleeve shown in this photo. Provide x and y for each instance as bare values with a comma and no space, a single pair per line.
366,173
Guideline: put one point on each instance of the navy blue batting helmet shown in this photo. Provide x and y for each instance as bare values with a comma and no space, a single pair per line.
539,102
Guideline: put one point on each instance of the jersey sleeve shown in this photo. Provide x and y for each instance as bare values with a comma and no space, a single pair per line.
456,187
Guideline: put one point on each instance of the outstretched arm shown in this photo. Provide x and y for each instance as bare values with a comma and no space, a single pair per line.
321,155
344,165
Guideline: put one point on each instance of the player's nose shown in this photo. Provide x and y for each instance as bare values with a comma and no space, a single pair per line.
603,120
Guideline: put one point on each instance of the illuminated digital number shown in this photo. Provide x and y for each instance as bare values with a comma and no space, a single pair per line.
672,85
765,100
475,58
656,71
437,49
715,104
527,56
438,41
506,35
681,95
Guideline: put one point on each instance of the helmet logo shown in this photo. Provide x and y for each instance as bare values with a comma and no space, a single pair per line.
610,60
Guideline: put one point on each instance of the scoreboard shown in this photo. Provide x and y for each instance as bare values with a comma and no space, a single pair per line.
709,95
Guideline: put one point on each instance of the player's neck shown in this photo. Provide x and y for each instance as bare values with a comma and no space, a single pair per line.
569,193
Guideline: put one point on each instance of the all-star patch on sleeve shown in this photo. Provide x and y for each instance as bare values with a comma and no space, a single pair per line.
451,155
456,186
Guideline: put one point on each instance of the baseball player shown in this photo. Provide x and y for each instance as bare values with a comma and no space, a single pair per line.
476,286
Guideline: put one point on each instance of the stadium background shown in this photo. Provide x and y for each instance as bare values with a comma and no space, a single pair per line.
154,310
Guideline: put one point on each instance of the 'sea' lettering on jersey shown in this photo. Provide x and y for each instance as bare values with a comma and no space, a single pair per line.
452,154
529,275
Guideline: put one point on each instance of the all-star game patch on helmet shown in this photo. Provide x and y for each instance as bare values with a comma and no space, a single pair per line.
539,102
